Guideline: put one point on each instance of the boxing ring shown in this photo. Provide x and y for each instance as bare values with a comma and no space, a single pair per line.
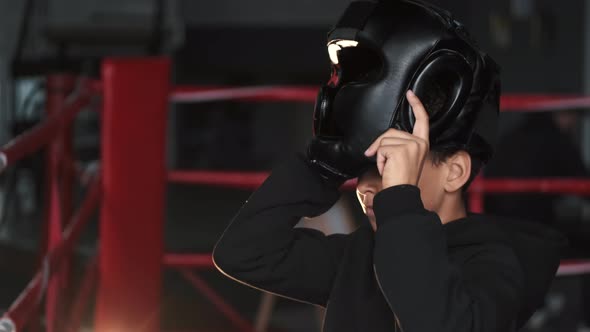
128,192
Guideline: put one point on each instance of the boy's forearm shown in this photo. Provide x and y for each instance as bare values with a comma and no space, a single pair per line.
262,248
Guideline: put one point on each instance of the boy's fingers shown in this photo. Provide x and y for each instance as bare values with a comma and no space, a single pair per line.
389,134
421,126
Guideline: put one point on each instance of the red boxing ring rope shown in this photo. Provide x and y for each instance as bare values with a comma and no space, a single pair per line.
252,180
537,103
195,261
307,94
573,267
574,186
186,94
238,180
204,261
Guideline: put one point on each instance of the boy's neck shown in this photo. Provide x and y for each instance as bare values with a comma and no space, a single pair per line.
451,209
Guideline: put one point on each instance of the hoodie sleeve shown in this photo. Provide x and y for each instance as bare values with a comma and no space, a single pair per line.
422,288
261,247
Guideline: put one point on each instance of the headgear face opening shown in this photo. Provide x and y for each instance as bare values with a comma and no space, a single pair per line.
379,50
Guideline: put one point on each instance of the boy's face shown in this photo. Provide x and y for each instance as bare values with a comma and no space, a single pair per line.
431,186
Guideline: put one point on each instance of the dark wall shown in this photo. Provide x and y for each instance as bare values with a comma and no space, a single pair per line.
545,52
256,133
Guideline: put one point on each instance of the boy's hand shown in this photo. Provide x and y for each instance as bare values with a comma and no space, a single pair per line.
400,155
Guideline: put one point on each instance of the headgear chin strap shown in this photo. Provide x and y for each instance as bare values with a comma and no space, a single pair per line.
379,50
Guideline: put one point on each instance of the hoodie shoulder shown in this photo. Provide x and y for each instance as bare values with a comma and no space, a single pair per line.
537,248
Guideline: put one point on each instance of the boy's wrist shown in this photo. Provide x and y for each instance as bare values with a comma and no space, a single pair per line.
396,201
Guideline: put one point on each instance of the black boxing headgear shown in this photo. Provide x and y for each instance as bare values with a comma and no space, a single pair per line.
379,50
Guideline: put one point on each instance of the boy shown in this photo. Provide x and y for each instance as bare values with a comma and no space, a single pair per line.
422,263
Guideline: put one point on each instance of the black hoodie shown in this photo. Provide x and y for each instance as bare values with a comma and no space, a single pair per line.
412,274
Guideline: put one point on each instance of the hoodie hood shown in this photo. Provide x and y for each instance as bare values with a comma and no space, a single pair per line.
537,247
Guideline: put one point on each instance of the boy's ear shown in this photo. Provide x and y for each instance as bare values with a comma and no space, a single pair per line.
458,171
